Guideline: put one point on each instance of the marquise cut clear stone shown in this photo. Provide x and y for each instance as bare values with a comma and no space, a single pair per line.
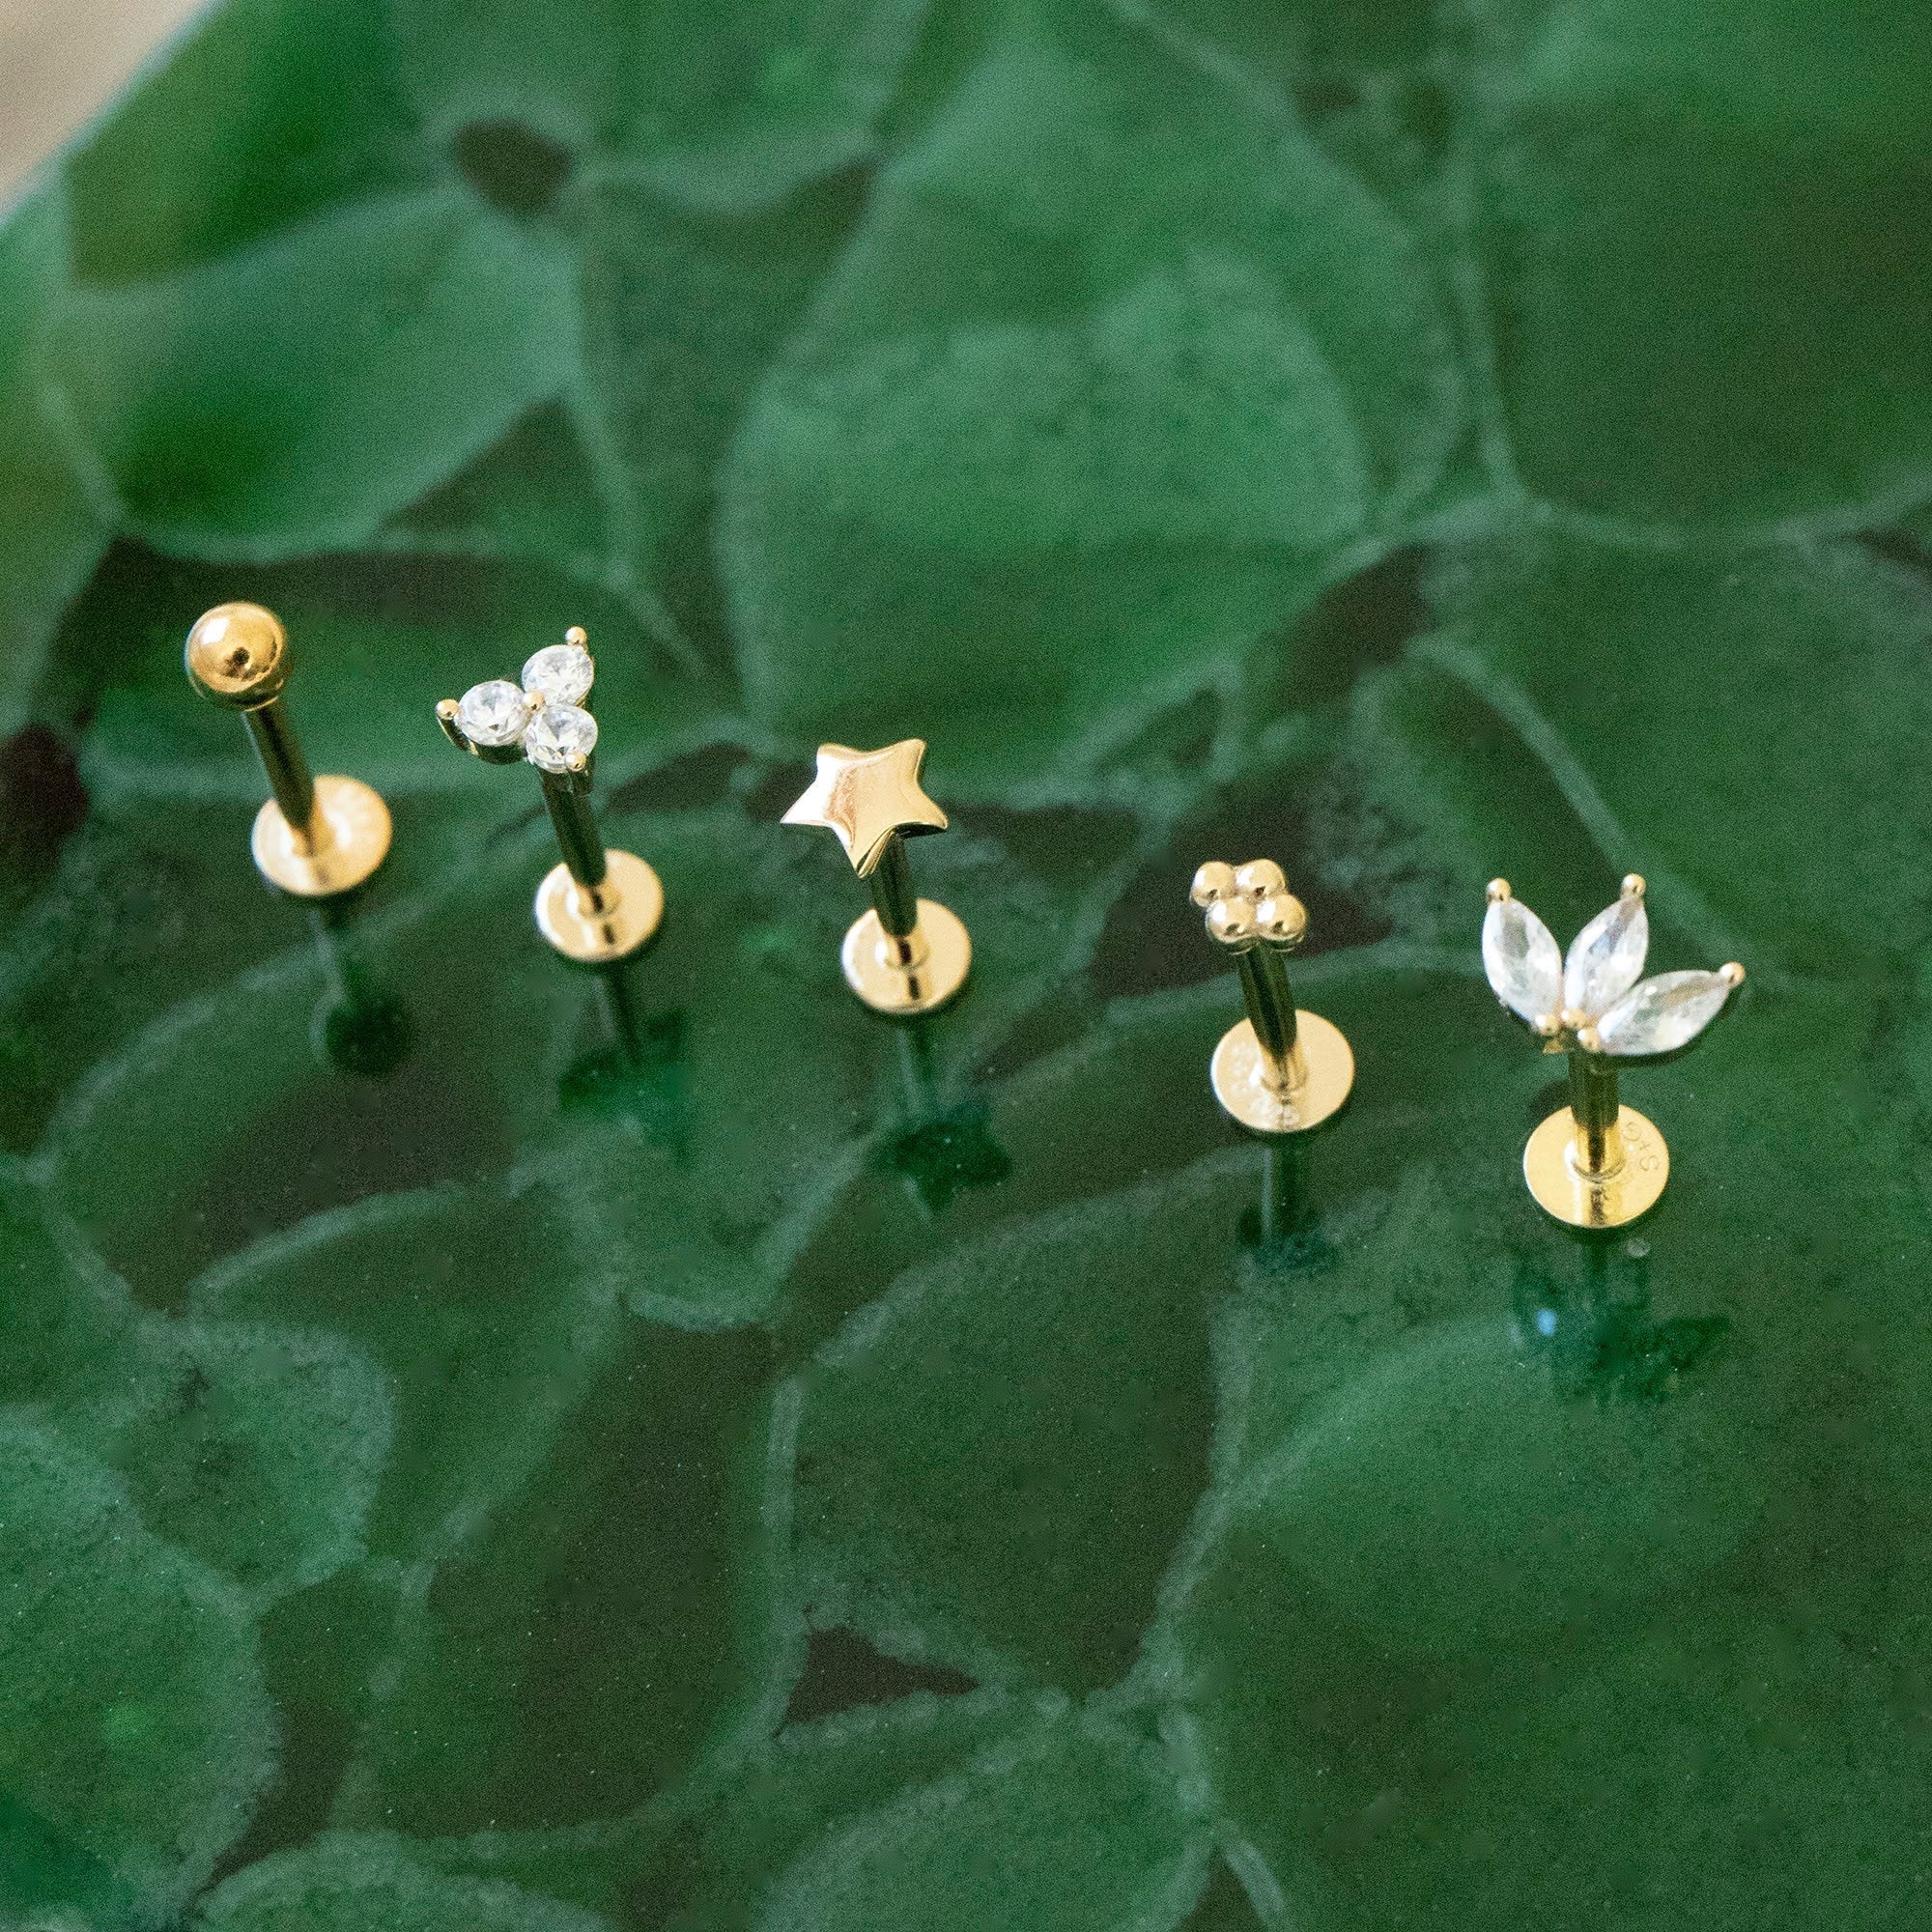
1606,956
561,674
1664,1012
560,738
493,713
1520,956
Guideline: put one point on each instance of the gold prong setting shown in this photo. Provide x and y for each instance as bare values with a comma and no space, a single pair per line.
1594,999
542,718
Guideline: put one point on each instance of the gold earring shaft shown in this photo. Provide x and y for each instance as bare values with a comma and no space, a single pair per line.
1594,1108
287,772
577,834
1271,1005
896,905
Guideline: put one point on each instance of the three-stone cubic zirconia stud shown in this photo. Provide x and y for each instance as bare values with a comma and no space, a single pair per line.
1281,1070
600,904
1597,1163
908,955
315,836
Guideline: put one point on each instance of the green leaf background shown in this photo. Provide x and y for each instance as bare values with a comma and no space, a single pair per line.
488,1446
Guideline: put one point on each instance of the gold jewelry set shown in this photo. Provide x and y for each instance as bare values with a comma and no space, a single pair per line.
1594,1164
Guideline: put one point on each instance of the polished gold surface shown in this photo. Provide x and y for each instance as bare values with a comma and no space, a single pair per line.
892,974
1635,1163
595,924
237,654
317,835
1245,1083
1595,1164
908,955
866,799
349,837
1282,1070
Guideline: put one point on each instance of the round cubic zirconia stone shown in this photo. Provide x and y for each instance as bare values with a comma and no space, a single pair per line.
561,674
560,738
493,713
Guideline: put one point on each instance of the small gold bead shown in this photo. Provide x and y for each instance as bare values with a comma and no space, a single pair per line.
1215,880
1231,921
1260,879
1281,919
1498,890
237,655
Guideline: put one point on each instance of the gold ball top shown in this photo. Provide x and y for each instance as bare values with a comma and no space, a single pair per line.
1260,878
1497,891
1732,972
1215,880
237,654
1231,922
1633,886
1282,919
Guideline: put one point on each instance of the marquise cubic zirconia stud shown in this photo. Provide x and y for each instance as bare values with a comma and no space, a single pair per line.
1596,1163
1280,1070
599,904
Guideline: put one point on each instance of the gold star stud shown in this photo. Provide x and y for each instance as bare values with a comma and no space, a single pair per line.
866,798
908,955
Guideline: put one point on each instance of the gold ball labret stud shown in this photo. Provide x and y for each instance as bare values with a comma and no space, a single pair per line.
1281,1070
316,836
1597,1163
600,904
908,955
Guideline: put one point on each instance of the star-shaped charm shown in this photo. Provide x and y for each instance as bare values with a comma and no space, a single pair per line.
865,797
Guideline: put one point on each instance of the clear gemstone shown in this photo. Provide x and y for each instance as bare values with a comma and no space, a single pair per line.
1606,956
560,738
561,674
1521,957
493,713
1666,1012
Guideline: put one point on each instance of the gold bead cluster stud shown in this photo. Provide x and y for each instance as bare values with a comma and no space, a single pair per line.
1280,1070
